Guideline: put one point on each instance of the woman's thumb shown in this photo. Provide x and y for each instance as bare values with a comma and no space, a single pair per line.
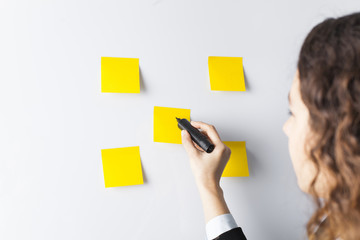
187,143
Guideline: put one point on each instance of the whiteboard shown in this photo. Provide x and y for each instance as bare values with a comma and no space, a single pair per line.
55,120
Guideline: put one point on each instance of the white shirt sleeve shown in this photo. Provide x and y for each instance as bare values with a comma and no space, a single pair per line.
220,224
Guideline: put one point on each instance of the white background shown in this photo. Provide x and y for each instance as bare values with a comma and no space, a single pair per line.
54,120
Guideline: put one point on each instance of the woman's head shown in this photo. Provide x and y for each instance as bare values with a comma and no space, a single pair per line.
298,130
324,131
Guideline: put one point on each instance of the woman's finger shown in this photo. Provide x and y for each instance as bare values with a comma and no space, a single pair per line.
198,147
188,143
209,130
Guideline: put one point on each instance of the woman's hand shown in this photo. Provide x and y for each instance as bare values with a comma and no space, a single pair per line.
206,167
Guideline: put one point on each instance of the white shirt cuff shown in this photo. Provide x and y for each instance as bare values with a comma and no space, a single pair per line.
220,224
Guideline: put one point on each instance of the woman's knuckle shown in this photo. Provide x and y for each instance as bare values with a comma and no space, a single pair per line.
221,148
228,150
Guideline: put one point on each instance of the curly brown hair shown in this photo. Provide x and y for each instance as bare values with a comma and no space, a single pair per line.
329,72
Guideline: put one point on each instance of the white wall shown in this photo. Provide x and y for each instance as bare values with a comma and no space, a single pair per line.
54,120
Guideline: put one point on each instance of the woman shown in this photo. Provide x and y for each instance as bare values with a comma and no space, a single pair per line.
324,137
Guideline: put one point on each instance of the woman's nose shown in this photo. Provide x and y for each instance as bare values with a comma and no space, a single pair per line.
284,128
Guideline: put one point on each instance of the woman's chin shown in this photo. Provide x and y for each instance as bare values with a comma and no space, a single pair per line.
303,187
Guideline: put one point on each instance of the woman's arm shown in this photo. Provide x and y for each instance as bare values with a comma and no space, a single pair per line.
212,199
207,169
220,224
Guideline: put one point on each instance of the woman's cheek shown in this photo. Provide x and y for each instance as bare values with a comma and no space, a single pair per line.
298,157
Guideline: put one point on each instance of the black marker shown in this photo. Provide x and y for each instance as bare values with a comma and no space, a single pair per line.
199,138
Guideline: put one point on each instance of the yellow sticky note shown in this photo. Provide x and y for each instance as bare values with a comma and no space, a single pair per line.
122,166
120,75
226,74
237,165
165,124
